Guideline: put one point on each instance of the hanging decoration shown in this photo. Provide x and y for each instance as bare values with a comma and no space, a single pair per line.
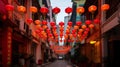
105,7
33,9
21,9
9,7
68,10
56,10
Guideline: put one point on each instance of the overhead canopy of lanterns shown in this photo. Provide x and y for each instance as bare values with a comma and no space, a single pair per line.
75,33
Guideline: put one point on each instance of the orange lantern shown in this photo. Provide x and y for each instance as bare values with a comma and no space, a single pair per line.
91,26
76,27
84,26
37,26
45,26
80,30
21,9
37,22
92,8
80,10
33,9
105,7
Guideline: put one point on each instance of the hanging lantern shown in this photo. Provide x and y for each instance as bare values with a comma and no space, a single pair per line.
84,26
68,10
80,30
9,7
29,21
61,23
37,26
44,10
92,8
96,21
105,7
21,9
76,27
91,26
44,22
70,23
33,9
88,22
80,10
78,23
52,23
37,22
56,10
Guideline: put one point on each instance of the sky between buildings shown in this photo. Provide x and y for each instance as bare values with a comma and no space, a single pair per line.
62,4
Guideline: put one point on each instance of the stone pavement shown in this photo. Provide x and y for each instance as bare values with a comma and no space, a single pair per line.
59,63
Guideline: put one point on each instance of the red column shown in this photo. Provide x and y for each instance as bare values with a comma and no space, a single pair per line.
6,47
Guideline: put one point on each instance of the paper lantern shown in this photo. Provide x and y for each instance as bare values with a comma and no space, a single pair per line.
88,22
80,10
76,27
96,21
78,23
21,9
92,8
68,10
91,26
61,23
9,7
29,21
105,7
44,10
44,22
33,9
84,26
70,23
52,23
37,22
56,10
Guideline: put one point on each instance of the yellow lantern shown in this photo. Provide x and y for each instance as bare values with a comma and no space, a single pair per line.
92,42
21,9
80,10
92,8
33,9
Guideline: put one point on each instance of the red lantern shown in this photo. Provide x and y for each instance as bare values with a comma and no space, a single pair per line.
97,21
92,8
61,23
9,7
44,22
29,21
54,27
56,10
44,10
33,9
78,23
52,23
70,23
88,22
68,10
105,7
80,10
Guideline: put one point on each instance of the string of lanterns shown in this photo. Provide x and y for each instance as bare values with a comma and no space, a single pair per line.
75,33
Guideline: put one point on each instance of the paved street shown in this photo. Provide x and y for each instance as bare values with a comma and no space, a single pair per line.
59,63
